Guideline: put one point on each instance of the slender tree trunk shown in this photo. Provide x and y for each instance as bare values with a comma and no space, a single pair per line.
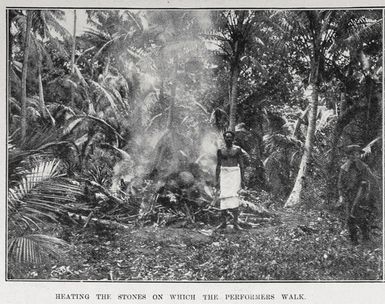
171,110
24,75
46,114
234,95
72,103
258,132
299,122
41,92
10,47
296,193
295,197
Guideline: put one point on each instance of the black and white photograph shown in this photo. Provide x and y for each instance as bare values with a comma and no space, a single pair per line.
194,145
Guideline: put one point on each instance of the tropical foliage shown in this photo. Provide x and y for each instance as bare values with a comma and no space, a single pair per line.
116,126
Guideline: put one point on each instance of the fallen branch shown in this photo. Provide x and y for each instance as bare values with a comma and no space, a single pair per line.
88,219
98,221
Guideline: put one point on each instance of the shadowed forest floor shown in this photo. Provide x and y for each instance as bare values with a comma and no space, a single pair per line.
292,245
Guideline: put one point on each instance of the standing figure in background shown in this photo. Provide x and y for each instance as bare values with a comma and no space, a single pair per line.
229,178
354,187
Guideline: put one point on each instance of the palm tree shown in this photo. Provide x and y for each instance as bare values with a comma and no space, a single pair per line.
315,34
37,25
113,33
310,29
24,76
72,103
237,32
355,54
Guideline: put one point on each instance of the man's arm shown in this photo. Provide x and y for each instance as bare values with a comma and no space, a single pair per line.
218,169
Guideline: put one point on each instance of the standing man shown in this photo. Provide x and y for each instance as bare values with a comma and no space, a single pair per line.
229,178
354,187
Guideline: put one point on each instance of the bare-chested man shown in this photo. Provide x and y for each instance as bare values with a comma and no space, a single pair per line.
229,178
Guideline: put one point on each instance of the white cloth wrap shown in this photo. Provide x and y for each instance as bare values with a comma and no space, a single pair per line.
230,184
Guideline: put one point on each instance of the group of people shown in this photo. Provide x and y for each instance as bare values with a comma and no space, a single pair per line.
355,183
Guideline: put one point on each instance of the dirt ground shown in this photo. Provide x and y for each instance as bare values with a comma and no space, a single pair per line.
291,245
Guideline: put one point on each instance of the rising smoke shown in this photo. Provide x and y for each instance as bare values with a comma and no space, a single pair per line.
173,72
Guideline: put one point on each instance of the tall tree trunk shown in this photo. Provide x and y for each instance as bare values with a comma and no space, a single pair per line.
171,110
295,197
299,122
235,70
296,193
24,75
41,92
46,114
72,103
234,95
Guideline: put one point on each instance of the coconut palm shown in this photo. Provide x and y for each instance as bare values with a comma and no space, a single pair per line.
314,34
237,33
32,28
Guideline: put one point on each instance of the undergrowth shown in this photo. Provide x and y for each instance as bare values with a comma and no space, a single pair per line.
297,246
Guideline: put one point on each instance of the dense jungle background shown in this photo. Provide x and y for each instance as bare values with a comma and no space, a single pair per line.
115,117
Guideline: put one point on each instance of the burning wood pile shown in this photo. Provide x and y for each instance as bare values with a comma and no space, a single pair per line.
182,196
168,190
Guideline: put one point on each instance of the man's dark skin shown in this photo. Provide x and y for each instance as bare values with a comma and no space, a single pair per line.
229,156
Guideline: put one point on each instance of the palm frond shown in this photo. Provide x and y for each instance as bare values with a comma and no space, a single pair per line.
80,76
39,137
72,124
41,193
203,108
138,53
110,41
107,94
51,20
35,248
43,171
101,122
136,19
361,32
